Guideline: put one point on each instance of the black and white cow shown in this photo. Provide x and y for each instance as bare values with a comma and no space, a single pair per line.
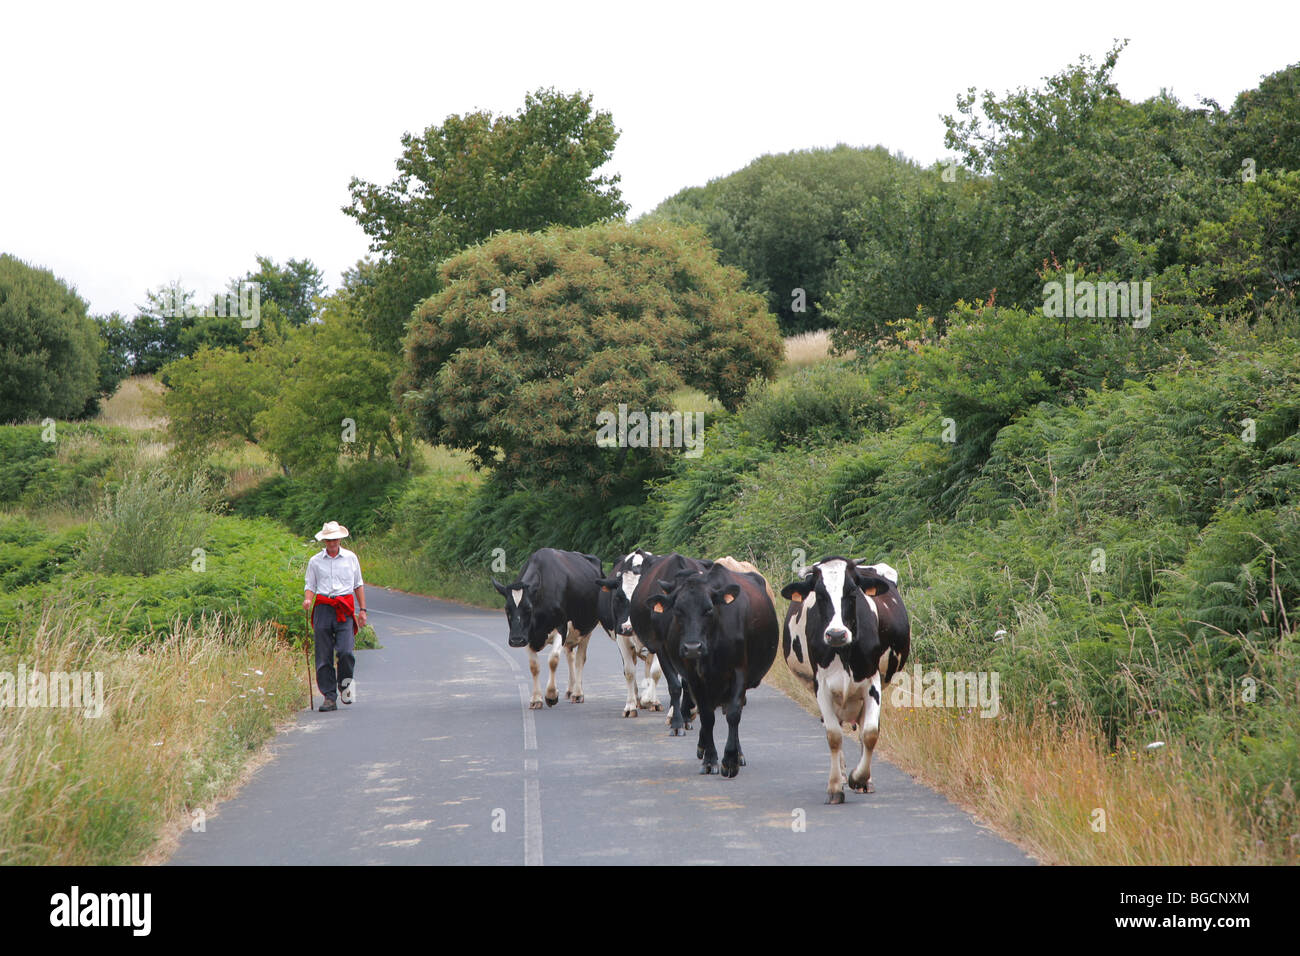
655,570
720,630
556,594
846,627
624,578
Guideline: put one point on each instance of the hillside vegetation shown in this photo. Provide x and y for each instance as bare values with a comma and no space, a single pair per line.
1053,381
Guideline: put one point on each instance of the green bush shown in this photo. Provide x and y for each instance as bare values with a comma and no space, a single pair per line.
69,473
817,405
30,555
49,365
153,521
250,567
358,495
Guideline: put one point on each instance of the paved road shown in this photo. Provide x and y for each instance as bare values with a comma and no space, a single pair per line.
440,761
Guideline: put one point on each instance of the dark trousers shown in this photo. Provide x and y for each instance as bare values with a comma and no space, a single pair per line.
332,637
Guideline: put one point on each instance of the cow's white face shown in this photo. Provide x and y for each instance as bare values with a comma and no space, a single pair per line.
630,579
831,591
631,576
832,576
519,611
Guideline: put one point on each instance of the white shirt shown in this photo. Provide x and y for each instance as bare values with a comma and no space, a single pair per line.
333,576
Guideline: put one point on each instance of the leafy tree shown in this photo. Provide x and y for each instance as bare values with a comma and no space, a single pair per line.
115,355
215,395
782,220
585,319
1075,165
470,177
294,287
159,324
334,397
925,246
1252,256
1264,125
49,348
290,394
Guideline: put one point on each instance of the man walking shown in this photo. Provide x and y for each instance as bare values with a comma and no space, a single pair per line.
337,604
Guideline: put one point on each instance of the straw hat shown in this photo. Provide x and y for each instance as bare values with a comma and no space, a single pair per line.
331,531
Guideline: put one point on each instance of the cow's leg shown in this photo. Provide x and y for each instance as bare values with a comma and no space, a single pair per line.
706,749
834,740
625,651
677,725
650,687
689,706
570,642
552,694
577,662
860,779
535,668
732,758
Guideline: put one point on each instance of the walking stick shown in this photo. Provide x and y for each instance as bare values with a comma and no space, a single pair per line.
307,644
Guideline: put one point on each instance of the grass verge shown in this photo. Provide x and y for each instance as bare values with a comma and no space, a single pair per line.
180,718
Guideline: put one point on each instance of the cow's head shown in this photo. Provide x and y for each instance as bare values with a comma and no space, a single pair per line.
627,574
837,607
519,610
686,614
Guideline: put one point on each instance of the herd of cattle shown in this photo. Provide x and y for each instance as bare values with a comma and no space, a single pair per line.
709,628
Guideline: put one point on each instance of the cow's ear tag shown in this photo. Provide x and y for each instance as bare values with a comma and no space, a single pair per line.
728,598
796,597
657,607
871,591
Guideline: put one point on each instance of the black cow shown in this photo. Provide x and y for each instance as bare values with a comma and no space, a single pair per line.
624,578
654,570
720,629
555,594
846,627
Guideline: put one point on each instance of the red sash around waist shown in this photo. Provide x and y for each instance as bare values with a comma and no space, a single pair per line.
343,607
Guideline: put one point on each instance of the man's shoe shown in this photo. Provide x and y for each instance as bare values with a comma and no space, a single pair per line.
348,691
328,704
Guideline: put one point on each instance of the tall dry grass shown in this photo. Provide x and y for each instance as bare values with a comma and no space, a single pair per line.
1052,785
180,720
808,348
137,405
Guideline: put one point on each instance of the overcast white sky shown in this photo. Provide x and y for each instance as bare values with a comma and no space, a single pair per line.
147,142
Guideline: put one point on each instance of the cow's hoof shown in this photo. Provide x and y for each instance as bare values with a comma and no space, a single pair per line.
578,699
657,706
534,705
730,767
709,766
568,695
629,711
742,760
836,797
676,732
552,701
867,787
